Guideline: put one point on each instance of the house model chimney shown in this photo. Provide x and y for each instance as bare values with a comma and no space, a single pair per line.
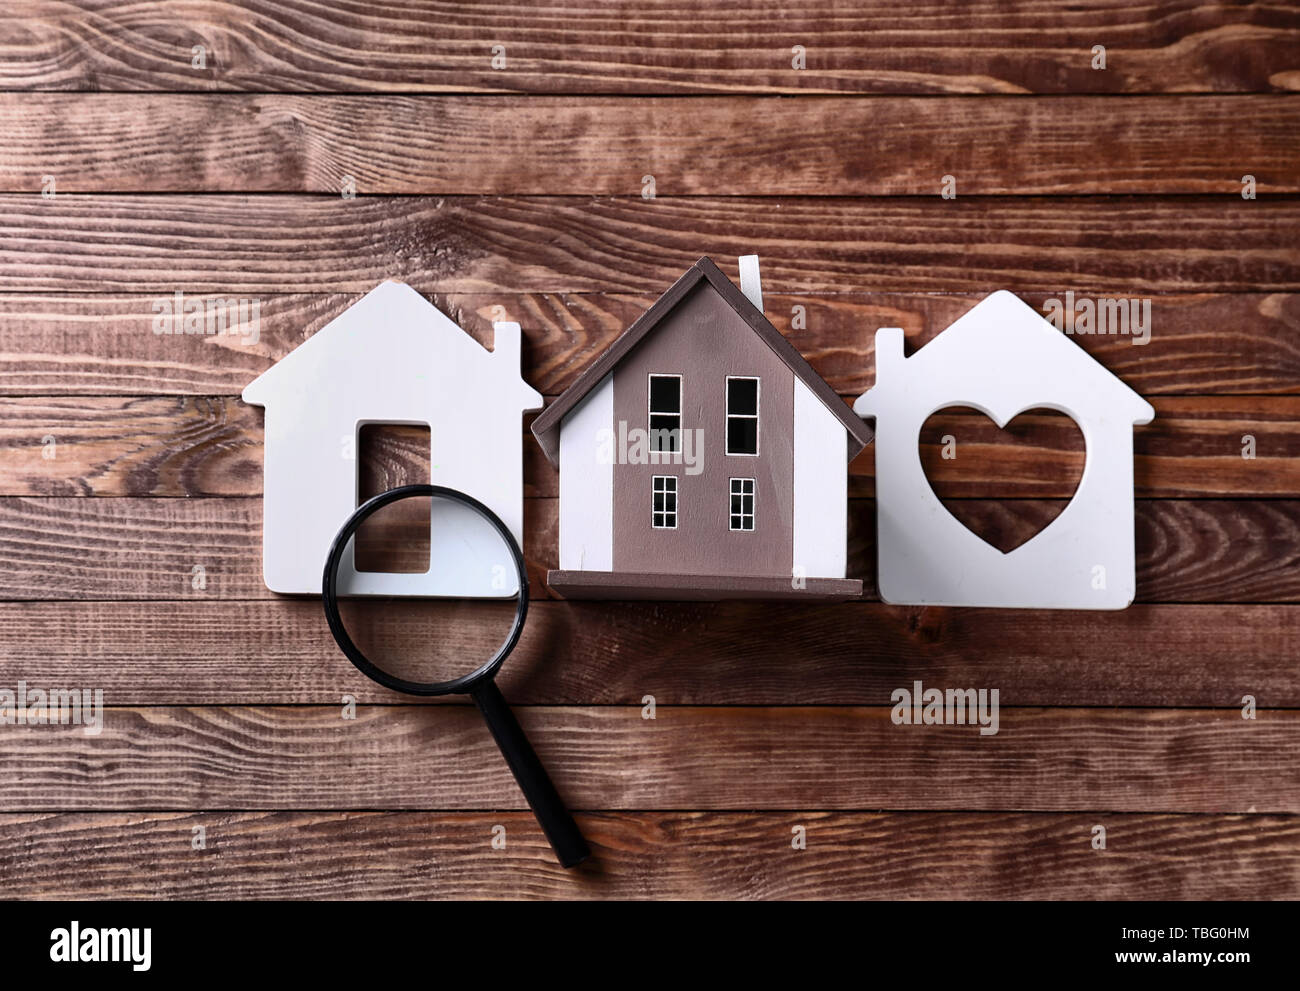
889,352
506,343
750,284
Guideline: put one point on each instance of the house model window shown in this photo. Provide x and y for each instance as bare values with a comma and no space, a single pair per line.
665,413
742,504
742,416
663,515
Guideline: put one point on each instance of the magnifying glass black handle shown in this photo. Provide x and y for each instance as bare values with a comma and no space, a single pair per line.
552,815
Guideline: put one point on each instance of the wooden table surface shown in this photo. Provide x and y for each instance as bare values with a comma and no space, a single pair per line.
127,459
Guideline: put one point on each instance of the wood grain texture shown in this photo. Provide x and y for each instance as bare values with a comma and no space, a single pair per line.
609,757
104,343
738,146
736,653
117,446
70,548
126,462
686,855
664,46
275,243
212,446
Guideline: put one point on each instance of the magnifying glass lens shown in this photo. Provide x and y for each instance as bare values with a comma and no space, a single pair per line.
428,590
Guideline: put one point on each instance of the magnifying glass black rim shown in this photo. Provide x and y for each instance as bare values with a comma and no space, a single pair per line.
456,686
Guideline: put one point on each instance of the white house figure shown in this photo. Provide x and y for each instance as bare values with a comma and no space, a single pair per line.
1002,358
392,358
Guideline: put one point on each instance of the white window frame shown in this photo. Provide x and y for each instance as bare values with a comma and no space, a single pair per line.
651,435
758,405
751,516
665,513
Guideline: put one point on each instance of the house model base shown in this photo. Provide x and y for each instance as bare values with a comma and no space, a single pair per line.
699,588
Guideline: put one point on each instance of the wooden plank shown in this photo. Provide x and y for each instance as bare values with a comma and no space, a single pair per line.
212,446
69,548
667,46
686,855
106,446
720,146
741,653
274,243
104,343
609,757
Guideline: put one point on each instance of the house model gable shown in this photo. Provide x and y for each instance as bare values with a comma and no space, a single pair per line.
704,271
702,457
391,358
1002,358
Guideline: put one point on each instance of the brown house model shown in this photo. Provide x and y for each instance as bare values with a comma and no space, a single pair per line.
701,457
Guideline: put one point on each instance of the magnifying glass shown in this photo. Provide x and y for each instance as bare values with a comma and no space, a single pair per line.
471,553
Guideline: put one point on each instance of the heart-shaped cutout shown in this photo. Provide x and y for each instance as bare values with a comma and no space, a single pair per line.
1005,485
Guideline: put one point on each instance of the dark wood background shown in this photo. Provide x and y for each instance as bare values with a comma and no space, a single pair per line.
517,192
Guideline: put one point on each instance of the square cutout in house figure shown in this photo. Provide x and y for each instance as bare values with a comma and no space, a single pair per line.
701,457
393,358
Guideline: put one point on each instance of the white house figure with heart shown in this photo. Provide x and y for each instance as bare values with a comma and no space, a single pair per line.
1002,358
392,358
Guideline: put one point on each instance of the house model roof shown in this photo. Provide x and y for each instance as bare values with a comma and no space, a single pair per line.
546,428
1030,350
390,326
